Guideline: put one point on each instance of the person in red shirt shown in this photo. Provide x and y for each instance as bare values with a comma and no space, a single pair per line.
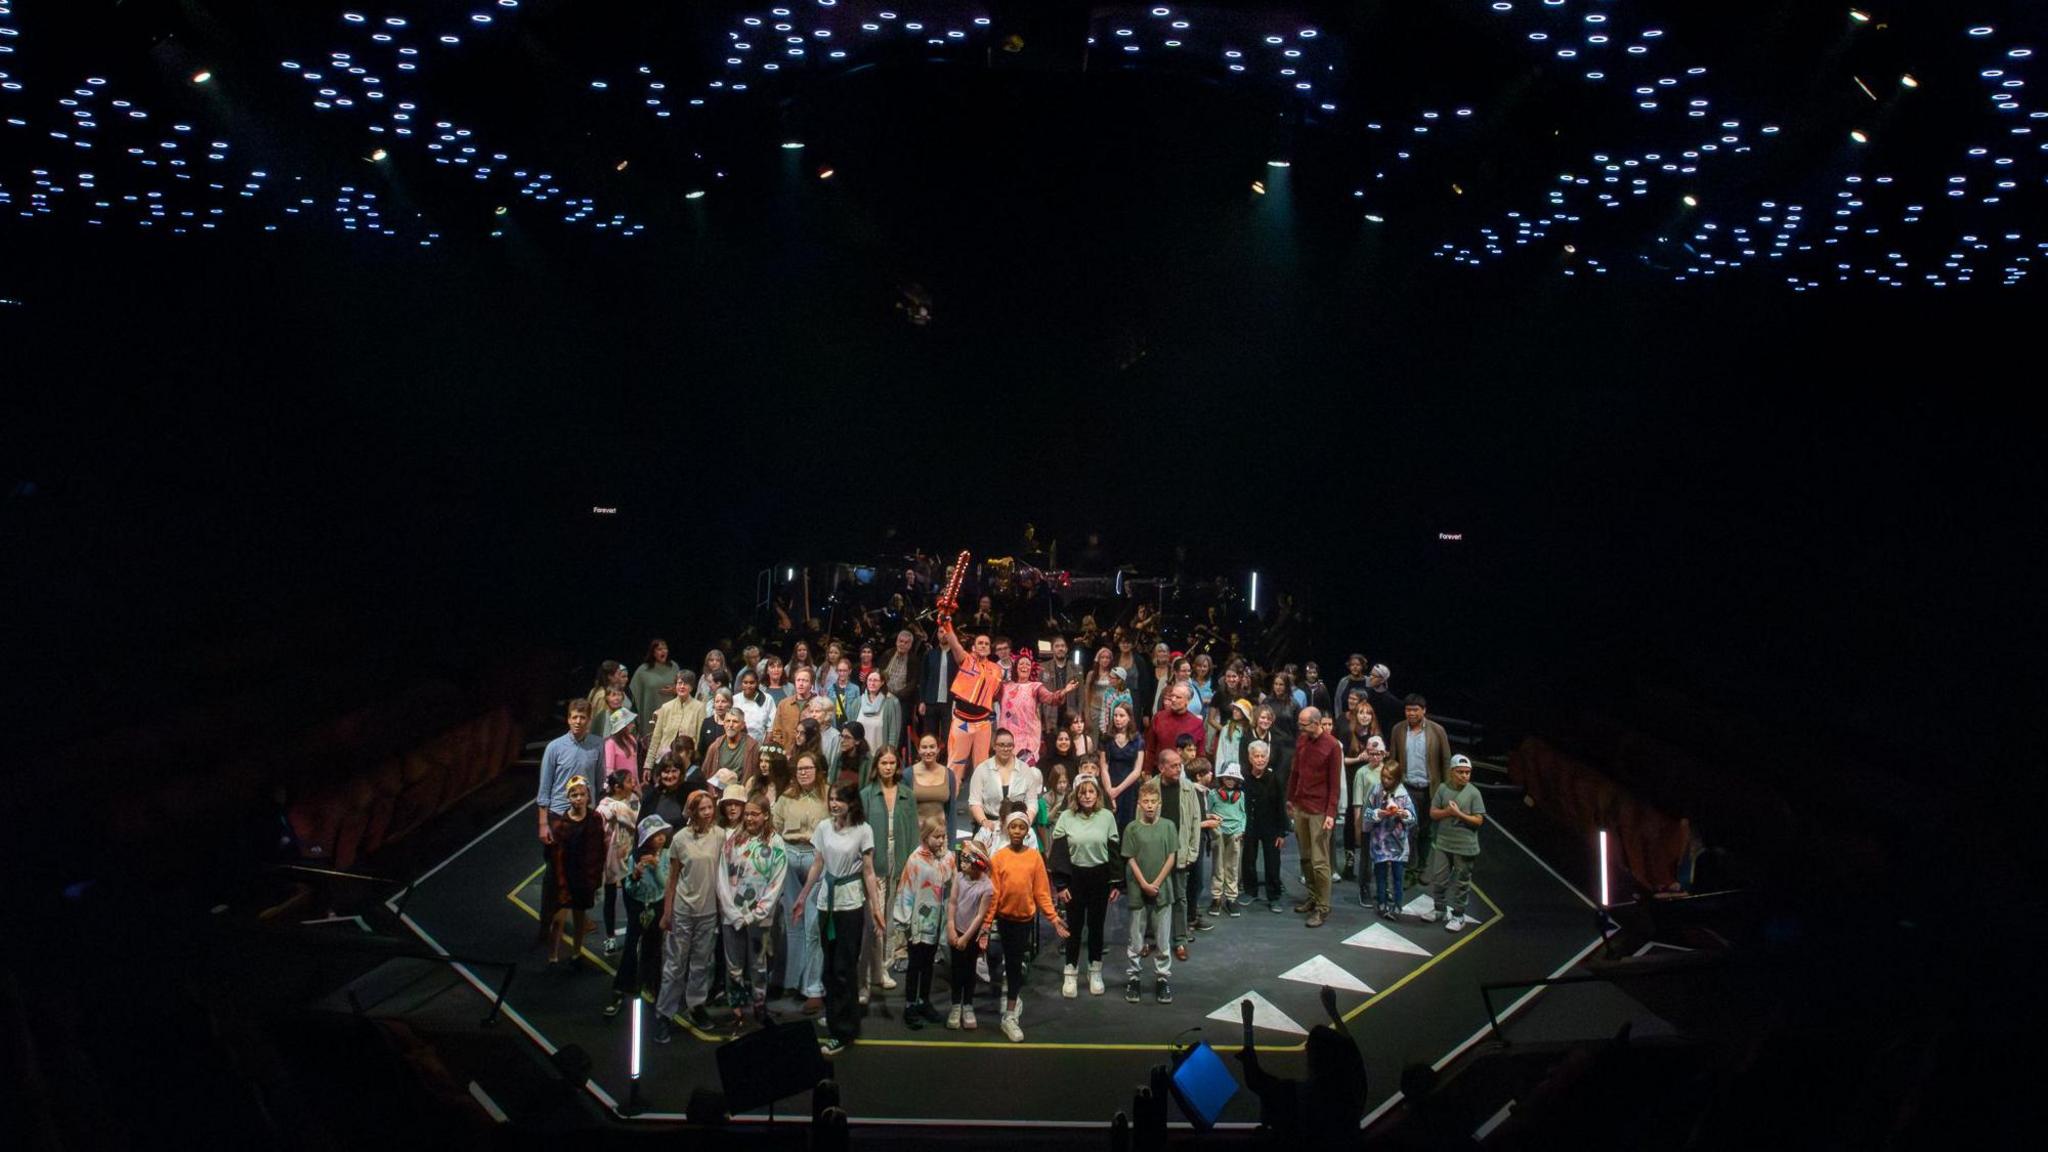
1172,722
1312,797
974,691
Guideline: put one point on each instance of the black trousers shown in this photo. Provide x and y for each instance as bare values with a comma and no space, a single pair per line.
963,970
935,722
923,958
1422,838
1017,936
641,954
1088,908
842,971
1255,849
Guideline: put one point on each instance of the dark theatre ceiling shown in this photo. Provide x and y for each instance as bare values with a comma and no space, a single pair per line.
1792,146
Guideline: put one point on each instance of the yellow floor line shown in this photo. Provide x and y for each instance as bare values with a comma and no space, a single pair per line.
1382,994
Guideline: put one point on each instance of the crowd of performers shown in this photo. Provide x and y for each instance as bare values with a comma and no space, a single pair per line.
800,831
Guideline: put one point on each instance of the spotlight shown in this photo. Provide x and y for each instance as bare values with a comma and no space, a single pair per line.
622,166
1859,15
825,173
1372,219
694,194
1692,202
1907,81
500,210
202,76
1279,164
793,145
379,155
1259,186
1858,136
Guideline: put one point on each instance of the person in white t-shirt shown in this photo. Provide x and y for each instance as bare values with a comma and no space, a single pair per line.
845,861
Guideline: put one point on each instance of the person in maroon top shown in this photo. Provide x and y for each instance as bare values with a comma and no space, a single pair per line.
1173,721
1312,795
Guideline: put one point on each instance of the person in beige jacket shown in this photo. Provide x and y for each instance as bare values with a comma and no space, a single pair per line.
681,716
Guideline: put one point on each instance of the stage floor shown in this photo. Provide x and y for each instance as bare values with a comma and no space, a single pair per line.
1408,990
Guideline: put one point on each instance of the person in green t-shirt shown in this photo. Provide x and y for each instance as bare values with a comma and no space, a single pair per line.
1458,811
1149,845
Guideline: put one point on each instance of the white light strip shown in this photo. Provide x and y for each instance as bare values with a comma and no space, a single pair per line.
490,1106
635,1070
1603,867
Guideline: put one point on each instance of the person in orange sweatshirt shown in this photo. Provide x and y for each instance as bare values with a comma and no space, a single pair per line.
1022,891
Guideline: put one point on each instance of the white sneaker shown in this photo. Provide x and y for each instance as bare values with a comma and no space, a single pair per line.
1095,979
1069,983
863,995
1455,924
888,982
953,1018
611,945
1011,1028
967,1017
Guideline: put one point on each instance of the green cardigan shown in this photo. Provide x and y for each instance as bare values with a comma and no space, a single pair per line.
898,839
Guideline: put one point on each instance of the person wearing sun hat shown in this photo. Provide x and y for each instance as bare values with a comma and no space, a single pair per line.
622,745
646,879
1227,740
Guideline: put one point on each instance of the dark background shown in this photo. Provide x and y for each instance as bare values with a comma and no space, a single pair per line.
1816,510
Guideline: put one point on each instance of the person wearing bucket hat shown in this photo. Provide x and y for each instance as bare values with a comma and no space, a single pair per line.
1228,738
754,869
646,879
622,744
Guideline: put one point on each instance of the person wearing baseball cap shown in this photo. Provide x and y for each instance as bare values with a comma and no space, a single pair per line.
1386,707
1459,811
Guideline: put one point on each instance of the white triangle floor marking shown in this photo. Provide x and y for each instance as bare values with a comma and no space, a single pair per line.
1422,906
1264,1015
1386,939
1321,971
